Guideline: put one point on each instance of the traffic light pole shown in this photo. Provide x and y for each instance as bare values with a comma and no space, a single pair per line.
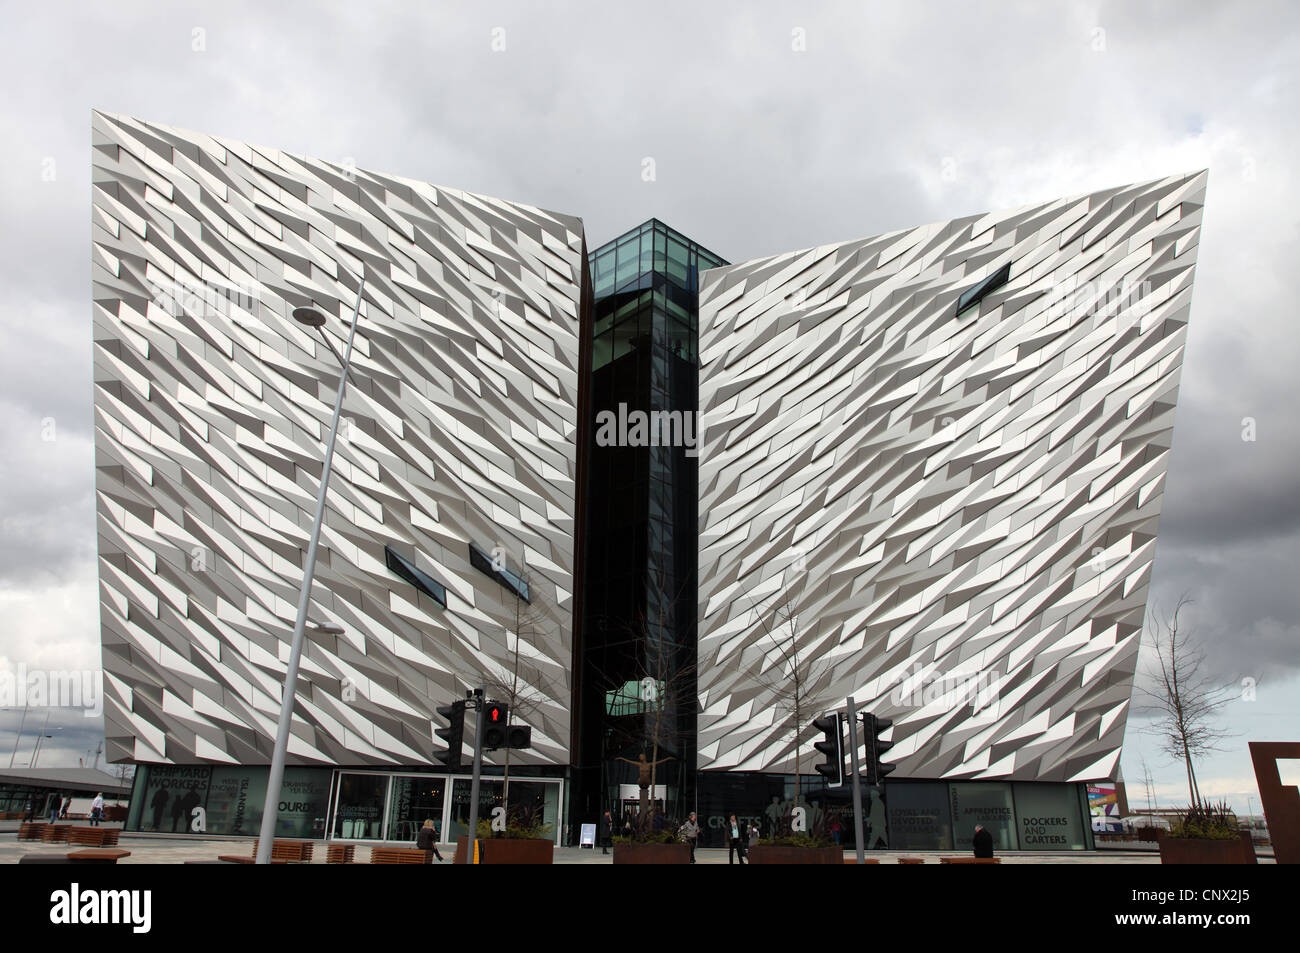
857,780
478,770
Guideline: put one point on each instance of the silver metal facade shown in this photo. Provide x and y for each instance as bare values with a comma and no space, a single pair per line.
959,512
211,406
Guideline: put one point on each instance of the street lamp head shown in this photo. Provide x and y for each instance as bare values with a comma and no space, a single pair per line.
309,316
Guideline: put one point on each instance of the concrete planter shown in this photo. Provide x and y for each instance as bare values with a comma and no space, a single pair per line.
1190,850
652,854
498,850
771,854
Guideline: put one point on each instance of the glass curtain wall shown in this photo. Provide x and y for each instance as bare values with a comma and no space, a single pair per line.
639,627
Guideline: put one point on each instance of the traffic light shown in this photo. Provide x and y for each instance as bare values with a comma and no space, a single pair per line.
876,747
452,733
832,747
496,717
518,736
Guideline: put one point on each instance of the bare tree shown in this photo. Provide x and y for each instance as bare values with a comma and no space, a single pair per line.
1185,702
795,675
1146,782
522,686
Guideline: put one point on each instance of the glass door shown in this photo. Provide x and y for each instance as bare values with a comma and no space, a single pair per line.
360,810
412,800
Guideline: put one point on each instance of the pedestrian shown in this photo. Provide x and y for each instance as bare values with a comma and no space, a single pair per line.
427,841
735,840
31,809
97,810
690,833
55,801
835,830
606,832
63,811
982,842
753,836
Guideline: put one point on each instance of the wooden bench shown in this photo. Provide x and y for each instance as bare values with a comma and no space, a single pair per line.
911,860
87,856
247,858
294,851
111,834
88,836
970,860
340,853
97,855
31,830
55,833
866,860
397,855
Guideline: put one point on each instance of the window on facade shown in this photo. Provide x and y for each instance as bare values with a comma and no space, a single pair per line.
481,561
417,577
972,296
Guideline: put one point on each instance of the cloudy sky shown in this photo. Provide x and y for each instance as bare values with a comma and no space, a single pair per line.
768,127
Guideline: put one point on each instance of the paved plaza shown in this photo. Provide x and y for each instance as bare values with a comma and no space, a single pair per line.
155,849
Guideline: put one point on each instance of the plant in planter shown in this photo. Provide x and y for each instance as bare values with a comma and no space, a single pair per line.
652,842
525,838
788,846
1206,834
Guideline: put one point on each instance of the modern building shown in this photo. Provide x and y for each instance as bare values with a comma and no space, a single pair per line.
934,460
458,467
638,492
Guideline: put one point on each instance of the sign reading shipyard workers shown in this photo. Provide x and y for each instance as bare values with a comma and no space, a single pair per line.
170,796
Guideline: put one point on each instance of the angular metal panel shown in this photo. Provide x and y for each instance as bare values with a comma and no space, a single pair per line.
959,511
211,410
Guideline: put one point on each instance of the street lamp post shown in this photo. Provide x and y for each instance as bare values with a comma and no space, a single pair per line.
309,317
21,725
36,755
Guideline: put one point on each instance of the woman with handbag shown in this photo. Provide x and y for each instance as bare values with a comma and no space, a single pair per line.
427,841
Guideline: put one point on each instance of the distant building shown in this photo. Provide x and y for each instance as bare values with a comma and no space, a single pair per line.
20,787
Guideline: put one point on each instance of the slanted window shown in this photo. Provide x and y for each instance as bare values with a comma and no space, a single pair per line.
481,561
972,296
417,577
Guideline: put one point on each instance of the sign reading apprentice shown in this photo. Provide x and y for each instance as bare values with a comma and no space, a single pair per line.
986,805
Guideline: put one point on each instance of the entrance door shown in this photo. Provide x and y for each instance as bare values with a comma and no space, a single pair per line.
360,806
412,801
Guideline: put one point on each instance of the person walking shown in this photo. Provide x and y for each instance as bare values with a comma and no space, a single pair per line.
736,836
427,841
97,810
606,831
690,833
55,801
982,842
63,811
31,809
